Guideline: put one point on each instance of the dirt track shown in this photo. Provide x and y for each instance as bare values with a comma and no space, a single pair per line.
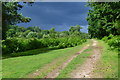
83,71
86,70
55,72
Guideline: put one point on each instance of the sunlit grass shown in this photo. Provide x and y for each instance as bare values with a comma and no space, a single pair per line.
108,64
19,67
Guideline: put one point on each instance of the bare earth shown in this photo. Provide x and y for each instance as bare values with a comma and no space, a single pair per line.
86,70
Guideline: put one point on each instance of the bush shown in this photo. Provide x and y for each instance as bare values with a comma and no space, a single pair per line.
35,44
114,42
105,39
15,45
11,45
70,42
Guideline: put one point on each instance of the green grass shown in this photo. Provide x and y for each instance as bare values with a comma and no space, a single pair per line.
29,52
79,60
19,67
108,64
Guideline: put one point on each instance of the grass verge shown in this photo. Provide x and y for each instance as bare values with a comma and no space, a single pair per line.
107,66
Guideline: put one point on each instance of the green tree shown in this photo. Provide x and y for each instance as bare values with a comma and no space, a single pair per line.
31,35
52,30
78,28
10,33
39,35
52,33
75,28
72,29
103,19
64,34
26,33
45,32
21,29
10,16
34,29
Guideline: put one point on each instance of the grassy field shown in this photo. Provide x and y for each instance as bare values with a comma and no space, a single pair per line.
107,66
19,67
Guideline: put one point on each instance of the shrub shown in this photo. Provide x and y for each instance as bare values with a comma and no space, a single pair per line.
11,45
15,45
34,44
114,42
105,38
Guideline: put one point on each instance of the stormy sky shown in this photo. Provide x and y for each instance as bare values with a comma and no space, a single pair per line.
60,15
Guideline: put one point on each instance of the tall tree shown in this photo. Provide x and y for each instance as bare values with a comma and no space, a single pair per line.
104,19
75,28
10,16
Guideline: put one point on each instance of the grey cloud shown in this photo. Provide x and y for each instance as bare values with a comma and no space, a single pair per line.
56,13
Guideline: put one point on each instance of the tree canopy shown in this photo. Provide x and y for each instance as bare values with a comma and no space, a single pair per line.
10,15
104,19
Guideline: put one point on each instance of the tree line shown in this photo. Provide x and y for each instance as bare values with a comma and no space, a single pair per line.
37,32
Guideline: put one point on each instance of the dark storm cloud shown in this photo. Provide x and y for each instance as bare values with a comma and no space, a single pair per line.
56,14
